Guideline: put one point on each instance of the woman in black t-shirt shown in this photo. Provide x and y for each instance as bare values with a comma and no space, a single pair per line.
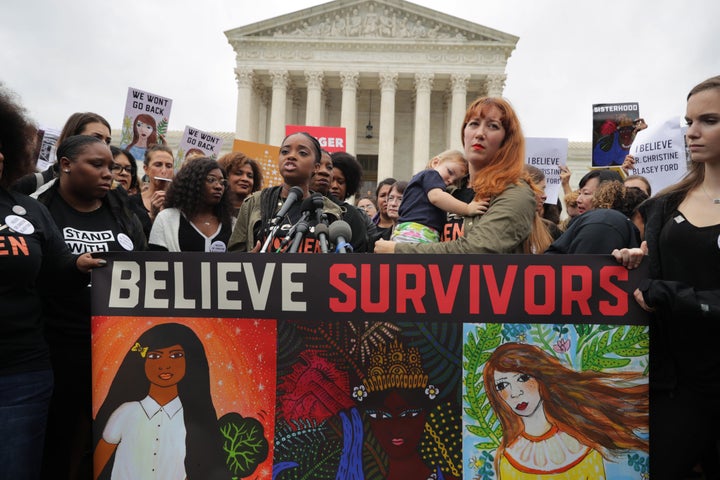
30,248
92,217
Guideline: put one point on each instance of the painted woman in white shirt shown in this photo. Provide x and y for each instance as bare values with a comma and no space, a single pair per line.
158,420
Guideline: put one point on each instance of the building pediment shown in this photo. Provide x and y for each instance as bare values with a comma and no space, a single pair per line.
376,20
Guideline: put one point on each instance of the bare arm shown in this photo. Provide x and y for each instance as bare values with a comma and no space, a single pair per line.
444,201
103,452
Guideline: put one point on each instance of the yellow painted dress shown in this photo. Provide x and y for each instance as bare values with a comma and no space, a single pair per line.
552,456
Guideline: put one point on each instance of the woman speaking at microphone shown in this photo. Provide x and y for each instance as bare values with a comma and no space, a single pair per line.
269,220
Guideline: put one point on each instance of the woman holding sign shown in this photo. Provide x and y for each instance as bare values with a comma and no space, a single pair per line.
682,231
495,150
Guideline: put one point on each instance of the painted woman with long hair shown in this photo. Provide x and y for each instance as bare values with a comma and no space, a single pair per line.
558,422
159,412
144,135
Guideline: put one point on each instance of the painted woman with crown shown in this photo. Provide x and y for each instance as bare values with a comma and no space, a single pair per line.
398,403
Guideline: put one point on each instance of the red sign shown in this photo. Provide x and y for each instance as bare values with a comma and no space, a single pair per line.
331,139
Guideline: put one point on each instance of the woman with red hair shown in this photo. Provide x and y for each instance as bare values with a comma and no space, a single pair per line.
560,422
495,150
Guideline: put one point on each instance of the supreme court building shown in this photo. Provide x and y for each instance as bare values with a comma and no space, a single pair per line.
396,75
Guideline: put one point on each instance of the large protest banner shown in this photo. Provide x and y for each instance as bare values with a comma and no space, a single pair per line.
360,366
613,132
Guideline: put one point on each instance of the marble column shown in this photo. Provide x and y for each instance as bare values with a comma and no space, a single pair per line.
421,146
348,109
386,147
243,121
280,81
313,110
258,109
495,85
458,84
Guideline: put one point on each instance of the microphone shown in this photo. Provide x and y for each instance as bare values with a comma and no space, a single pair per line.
293,195
339,231
300,231
322,232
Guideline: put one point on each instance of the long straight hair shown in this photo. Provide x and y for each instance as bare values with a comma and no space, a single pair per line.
696,170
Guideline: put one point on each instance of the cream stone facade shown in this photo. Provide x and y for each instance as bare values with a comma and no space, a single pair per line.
396,75
406,71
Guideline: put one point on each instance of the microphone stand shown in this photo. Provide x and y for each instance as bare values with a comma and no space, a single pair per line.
301,230
321,219
289,237
270,238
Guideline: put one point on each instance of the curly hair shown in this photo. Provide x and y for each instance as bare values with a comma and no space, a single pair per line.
18,136
186,192
605,411
352,170
236,160
618,197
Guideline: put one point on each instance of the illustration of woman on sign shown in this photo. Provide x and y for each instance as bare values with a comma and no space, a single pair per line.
158,420
144,135
397,400
559,423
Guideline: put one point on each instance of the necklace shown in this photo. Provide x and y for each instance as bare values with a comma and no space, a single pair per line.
716,201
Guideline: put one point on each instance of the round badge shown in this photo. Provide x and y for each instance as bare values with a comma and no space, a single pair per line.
125,242
19,210
218,247
19,225
718,241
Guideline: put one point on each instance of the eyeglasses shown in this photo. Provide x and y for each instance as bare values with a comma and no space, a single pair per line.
213,180
117,168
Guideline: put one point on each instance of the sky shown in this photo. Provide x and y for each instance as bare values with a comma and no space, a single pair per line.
82,55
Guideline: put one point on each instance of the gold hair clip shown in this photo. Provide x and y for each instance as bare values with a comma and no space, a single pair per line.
138,348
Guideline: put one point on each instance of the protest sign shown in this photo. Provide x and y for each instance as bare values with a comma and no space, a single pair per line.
266,155
145,122
47,138
332,139
660,154
196,142
613,132
548,154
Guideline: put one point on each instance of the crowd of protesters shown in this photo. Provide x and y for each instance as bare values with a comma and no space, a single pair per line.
483,199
